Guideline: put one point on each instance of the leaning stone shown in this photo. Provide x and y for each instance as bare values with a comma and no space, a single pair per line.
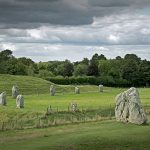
101,88
77,90
73,107
128,107
3,99
15,91
52,90
20,101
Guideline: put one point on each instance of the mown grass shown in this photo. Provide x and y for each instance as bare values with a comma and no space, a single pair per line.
84,136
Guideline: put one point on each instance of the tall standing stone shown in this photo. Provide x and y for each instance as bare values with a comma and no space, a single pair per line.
128,107
77,90
52,90
20,101
15,91
3,99
101,88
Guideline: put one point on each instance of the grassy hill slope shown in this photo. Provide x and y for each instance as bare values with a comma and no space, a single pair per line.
34,86
27,85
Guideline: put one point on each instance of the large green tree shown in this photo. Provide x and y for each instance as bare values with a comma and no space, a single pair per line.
81,70
130,71
65,69
144,73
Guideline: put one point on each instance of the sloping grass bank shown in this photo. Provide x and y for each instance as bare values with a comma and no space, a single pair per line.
35,86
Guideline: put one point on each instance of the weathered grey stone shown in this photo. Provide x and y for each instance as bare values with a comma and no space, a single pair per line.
49,110
15,91
73,107
128,107
3,99
77,90
101,88
52,90
20,101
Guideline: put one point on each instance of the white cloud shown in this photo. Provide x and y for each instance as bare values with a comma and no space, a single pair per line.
145,31
9,46
113,38
36,34
103,48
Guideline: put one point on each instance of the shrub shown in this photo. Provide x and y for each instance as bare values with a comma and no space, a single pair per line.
105,80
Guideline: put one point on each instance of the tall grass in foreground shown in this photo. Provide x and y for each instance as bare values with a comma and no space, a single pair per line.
57,117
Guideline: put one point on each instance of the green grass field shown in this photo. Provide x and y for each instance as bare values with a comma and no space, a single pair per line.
90,100
100,133
109,135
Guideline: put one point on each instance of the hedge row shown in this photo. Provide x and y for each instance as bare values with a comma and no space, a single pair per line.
107,81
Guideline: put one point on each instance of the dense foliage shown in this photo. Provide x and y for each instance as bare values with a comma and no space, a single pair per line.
127,71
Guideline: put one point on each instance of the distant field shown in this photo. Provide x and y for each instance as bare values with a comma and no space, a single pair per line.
85,99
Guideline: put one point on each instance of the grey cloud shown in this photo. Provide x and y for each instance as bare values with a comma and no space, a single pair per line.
52,12
113,30
31,13
118,3
109,3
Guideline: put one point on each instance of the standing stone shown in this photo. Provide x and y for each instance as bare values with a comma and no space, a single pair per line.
15,91
128,107
73,107
3,99
101,88
77,90
49,110
52,90
20,101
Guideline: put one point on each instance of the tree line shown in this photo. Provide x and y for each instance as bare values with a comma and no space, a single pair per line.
128,71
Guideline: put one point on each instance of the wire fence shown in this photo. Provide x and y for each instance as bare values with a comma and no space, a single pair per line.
58,117
44,90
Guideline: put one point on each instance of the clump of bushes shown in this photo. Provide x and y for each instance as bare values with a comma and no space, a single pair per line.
105,80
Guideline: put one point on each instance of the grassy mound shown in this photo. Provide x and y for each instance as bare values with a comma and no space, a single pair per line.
27,85
35,86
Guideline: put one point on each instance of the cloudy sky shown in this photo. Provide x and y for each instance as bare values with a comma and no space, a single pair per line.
73,29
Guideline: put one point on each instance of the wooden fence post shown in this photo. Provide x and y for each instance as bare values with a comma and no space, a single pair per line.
37,92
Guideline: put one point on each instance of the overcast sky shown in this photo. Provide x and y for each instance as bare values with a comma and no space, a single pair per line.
46,30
